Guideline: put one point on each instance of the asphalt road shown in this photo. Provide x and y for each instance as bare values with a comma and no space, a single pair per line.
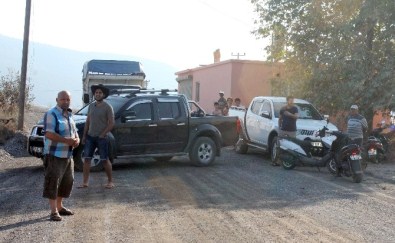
241,198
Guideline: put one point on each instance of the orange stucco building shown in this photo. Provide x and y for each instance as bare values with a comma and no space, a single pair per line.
244,79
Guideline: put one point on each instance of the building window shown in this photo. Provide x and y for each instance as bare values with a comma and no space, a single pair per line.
197,92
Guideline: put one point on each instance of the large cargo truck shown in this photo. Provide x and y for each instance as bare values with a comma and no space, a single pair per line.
114,74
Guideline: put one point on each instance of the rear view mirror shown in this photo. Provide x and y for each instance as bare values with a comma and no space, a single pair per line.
86,98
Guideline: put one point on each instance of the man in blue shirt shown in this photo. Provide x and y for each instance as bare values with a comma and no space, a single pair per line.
61,138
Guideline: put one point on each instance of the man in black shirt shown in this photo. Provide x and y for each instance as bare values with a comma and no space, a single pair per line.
287,120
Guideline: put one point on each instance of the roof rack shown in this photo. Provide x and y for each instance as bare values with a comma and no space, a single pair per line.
133,91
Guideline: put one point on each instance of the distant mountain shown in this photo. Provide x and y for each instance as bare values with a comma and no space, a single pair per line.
51,69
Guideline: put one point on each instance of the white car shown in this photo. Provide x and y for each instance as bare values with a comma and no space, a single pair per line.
259,123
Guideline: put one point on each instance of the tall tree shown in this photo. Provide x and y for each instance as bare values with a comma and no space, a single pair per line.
338,52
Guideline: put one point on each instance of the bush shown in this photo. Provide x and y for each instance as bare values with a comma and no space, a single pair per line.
7,130
9,96
9,93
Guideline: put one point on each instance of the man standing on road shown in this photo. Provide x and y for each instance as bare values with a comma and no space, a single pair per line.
99,123
61,138
287,120
356,125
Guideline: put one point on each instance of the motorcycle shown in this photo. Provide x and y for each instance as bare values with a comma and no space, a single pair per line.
309,152
377,133
373,150
347,160
339,156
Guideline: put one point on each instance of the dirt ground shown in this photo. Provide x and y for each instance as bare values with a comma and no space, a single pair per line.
241,198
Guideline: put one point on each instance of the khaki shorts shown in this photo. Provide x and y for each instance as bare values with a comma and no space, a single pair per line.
59,177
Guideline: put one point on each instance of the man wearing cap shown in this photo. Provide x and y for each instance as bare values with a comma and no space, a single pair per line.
356,125
99,123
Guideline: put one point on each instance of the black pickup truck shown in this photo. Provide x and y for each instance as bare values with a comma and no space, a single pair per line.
155,124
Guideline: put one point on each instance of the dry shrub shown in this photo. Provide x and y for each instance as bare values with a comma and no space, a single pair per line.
7,129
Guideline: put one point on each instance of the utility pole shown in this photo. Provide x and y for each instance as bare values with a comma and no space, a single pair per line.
238,55
22,85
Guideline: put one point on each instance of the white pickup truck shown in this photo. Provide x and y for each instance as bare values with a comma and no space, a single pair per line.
259,123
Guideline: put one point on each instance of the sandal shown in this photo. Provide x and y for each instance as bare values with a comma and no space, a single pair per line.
65,211
55,217
109,186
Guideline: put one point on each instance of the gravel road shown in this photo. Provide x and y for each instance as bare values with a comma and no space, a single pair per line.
241,198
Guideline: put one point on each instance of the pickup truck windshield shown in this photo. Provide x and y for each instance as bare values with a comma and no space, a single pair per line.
115,103
306,111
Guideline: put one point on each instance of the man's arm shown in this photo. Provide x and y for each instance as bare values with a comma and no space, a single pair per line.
86,129
110,123
59,139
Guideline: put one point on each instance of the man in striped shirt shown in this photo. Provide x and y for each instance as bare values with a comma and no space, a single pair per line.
61,138
356,125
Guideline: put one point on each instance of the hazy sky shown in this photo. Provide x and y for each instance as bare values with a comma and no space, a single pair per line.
181,33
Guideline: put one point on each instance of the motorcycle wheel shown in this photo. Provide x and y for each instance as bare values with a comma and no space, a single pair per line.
332,166
357,178
288,163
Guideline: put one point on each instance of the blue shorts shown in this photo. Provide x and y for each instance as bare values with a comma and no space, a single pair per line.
92,143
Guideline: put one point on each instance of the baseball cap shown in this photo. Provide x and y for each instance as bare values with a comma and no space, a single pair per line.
354,107
221,92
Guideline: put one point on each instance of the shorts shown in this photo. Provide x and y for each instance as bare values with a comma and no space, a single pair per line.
59,177
92,143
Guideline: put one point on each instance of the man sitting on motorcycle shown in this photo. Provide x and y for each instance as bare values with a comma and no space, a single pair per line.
356,125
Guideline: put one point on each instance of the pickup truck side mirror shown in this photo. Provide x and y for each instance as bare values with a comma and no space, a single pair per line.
128,116
86,98
266,114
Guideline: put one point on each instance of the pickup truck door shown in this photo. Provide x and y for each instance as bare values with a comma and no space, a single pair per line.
172,130
266,122
253,121
135,131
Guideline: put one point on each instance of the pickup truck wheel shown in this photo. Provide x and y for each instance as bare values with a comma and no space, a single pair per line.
241,147
96,163
274,150
163,159
203,151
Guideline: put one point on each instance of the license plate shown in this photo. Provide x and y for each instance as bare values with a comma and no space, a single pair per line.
37,149
316,144
372,152
355,157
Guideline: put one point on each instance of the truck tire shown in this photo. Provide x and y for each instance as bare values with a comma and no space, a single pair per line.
203,151
241,147
274,150
96,163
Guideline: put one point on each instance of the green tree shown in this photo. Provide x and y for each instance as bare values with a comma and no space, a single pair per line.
337,52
